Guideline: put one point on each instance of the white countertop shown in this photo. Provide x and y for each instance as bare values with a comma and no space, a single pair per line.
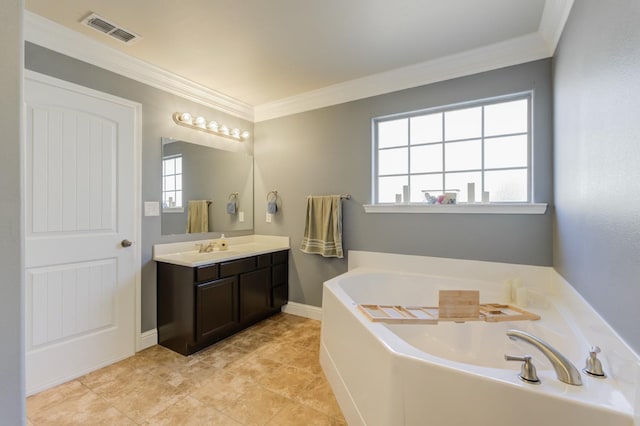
186,253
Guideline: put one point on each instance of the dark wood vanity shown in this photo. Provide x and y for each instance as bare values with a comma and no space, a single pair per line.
198,306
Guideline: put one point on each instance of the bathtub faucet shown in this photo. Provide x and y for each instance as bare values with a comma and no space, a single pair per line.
565,370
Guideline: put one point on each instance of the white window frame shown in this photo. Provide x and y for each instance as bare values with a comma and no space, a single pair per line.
177,209
528,207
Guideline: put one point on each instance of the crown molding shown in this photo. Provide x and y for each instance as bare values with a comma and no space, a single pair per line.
531,47
554,18
511,52
538,45
46,33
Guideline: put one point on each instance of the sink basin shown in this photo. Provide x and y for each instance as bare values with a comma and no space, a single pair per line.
195,257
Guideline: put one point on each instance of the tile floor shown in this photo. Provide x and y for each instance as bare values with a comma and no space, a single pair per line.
266,375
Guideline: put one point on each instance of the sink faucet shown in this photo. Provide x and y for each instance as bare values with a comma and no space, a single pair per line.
565,370
205,248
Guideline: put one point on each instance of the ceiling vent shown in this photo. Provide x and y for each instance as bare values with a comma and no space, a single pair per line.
109,28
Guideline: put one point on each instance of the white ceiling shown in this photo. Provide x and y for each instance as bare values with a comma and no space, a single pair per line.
268,53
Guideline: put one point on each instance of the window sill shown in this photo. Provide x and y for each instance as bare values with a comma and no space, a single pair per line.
475,208
173,210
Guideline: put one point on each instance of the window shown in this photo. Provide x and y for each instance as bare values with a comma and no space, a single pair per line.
440,150
172,182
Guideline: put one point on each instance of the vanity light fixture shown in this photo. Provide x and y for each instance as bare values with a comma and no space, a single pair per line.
200,123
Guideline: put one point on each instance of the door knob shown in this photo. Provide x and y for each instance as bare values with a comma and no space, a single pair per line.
126,243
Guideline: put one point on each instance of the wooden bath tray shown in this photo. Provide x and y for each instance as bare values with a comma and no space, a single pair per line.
489,312
497,312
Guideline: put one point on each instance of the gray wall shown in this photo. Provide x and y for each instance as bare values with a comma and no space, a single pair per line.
328,151
597,159
157,109
12,390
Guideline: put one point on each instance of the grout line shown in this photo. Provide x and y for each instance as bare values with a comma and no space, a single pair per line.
296,331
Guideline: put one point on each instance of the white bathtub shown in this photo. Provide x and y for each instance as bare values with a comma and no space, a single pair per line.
455,374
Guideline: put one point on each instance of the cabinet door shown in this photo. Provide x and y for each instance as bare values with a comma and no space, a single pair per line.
279,274
216,310
255,293
279,296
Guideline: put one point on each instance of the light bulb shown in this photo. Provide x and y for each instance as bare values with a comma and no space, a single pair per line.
235,133
212,125
245,135
224,130
186,117
200,121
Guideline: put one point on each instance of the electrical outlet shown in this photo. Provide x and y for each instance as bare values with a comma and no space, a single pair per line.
269,216
241,216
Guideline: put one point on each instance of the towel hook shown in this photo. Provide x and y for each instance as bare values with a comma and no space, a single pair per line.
273,193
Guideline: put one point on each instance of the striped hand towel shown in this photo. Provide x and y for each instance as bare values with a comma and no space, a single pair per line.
323,228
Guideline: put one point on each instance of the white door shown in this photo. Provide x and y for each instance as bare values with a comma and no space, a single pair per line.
79,207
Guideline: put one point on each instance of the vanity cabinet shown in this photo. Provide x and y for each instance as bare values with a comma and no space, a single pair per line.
201,305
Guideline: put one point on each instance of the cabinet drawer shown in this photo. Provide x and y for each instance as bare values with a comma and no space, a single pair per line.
206,273
280,257
264,260
236,267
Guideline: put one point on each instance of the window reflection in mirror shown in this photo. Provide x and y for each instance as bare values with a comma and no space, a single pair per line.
172,182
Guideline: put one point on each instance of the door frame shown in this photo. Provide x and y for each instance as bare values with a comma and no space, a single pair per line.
136,108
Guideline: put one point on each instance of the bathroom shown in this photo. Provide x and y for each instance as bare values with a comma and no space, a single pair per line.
586,97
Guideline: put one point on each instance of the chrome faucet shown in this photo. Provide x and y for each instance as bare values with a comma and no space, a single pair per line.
565,370
593,365
208,248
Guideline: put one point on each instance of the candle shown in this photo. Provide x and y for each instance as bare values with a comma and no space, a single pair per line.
505,295
471,192
522,297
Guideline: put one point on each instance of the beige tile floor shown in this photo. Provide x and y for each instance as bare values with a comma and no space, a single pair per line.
266,375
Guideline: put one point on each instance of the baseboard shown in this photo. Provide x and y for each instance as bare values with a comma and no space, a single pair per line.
147,339
302,310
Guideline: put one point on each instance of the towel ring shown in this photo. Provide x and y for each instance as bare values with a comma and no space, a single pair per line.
273,193
233,196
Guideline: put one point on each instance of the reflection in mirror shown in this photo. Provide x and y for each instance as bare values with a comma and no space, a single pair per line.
196,172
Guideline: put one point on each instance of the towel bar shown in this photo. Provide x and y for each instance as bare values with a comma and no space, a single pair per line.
342,196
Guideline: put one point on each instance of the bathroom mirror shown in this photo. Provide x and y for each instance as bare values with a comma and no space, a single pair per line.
196,172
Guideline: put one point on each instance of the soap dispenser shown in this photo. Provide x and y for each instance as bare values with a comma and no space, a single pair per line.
222,243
